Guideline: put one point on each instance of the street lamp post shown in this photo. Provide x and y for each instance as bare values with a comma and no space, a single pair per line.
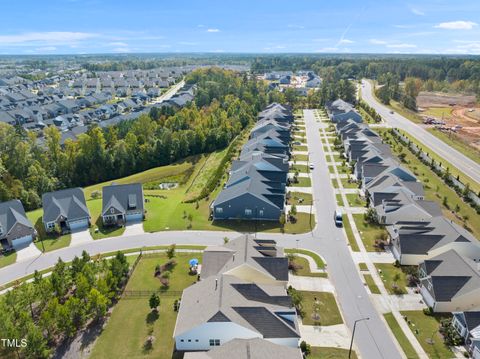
353,334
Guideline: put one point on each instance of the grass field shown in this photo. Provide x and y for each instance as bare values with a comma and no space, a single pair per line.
300,198
371,284
330,353
300,148
387,272
368,232
400,336
300,157
438,112
339,199
436,190
346,183
304,269
50,242
326,305
299,168
318,260
121,340
302,182
349,233
8,259
363,266
354,200
425,329
453,170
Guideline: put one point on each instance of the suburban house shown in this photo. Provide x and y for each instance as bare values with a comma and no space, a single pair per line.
389,182
248,348
413,242
247,258
398,204
450,282
467,325
122,204
370,171
66,210
339,111
16,231
221,308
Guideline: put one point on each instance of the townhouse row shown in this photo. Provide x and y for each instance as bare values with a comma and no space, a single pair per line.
256,187
447,255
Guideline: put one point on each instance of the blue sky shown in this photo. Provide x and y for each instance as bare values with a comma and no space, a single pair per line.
260,26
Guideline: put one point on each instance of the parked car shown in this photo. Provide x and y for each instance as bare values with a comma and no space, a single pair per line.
311,166
338,218
391,112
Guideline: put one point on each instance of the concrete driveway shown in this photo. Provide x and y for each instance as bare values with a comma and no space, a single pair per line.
28,252
81,237
313,284
337,336
134,229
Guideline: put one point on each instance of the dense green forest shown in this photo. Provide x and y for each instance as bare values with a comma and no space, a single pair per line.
51,309
226,103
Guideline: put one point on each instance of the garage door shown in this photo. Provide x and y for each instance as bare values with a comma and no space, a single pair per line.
82,224
134,217
22,242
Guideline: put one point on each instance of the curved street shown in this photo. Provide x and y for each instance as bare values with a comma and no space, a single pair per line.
462,162
372,338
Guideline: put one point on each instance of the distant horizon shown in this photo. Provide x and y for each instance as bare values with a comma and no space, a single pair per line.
71,27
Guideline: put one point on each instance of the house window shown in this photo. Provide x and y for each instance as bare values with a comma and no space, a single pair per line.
248,212
196,340
260,213
189,340
112,210
181,340
217,342
219,210
214,342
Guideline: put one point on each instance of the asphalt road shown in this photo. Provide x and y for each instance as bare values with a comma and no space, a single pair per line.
372,338
456,158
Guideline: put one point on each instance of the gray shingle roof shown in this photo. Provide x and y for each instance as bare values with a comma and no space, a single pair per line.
11,213
68,203
117,196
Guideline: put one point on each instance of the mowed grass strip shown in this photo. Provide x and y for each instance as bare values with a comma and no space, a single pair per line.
330,353
407,348
318,260
50,242
371,284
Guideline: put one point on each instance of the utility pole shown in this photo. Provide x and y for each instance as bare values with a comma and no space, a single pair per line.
353,334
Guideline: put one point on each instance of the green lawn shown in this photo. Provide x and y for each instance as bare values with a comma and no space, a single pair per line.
50,242
339,199
349,233
299,168
354,200
304,268
387,272
318,260
326,305
369,232
8,259
300,157
335,183
371,284
363,266
436,190
425,329
295,197
300,148
119,340
330,353
95,208
400,335
302,182
331,169
453,170
347,183
439,112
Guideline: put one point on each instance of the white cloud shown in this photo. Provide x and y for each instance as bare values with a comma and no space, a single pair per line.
401,46
121,49
53,37
416,11
378,42
328,49
213,30
346,41
45,49
118,44
456,25
293,26
188,43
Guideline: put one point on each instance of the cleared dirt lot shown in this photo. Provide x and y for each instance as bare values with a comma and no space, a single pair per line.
460,111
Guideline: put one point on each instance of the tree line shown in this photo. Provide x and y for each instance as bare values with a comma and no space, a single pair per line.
225,103
52,309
